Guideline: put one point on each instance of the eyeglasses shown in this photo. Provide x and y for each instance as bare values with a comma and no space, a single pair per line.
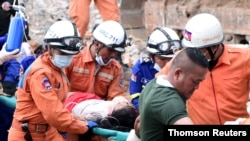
167,47
70,42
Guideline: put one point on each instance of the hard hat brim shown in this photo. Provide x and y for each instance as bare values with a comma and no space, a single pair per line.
119,49
69,52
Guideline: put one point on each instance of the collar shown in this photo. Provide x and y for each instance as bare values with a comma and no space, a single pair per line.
45,57
162,80
86,54
225,58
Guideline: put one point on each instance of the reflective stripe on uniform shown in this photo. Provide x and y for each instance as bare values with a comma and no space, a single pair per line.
81,70
86,71
136,95
21,81
106,75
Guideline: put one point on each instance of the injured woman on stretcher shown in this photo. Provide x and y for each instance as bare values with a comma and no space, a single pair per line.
118,114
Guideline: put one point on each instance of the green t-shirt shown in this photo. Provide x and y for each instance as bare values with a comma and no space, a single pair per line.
159,106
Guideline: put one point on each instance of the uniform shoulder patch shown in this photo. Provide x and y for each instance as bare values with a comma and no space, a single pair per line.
133,77
46,84
145,60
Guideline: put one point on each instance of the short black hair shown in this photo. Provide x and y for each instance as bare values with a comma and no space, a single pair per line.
197,57
194,54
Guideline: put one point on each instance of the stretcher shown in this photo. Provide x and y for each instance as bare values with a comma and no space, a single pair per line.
111,134
8,101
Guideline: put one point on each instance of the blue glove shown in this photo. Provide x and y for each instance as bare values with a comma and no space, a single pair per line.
111,134
104,132
92,124
120,136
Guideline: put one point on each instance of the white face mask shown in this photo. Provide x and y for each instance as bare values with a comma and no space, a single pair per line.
157,67
62,61
100,61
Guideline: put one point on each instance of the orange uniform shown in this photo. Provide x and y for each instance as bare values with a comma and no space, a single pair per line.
40,98
85,76
223,95
79,12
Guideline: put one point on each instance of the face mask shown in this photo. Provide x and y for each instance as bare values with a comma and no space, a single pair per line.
62,61
157,67
100,61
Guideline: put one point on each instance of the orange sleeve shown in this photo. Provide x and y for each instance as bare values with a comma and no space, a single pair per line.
116,86
49,104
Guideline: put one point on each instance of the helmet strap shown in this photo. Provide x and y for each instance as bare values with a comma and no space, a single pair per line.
152,56
164,32
100,46
213,62
75,29
211,53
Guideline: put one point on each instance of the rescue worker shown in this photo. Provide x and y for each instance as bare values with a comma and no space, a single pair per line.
94,70
9,68
9,77
39,113
161,46
79,12
223,95
6,112
5,18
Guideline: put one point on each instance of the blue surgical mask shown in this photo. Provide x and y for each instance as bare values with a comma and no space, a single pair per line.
62,61
157,67
100,61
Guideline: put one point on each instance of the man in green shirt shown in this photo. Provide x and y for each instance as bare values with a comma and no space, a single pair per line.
163,100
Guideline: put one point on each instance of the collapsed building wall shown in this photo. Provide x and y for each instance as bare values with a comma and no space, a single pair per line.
233,14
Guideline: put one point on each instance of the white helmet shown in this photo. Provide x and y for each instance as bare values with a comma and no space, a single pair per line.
203,30
163,42
64,36
111,34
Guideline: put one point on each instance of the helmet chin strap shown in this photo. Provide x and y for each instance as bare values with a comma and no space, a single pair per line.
211,53
101,46
213,61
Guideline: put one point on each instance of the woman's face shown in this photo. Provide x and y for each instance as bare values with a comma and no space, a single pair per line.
121,105
120,102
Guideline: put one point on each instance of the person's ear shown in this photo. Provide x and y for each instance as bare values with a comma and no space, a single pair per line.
177,74
49,48
96,44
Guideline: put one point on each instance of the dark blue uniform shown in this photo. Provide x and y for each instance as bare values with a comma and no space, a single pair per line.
142,72
9,73
25,63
